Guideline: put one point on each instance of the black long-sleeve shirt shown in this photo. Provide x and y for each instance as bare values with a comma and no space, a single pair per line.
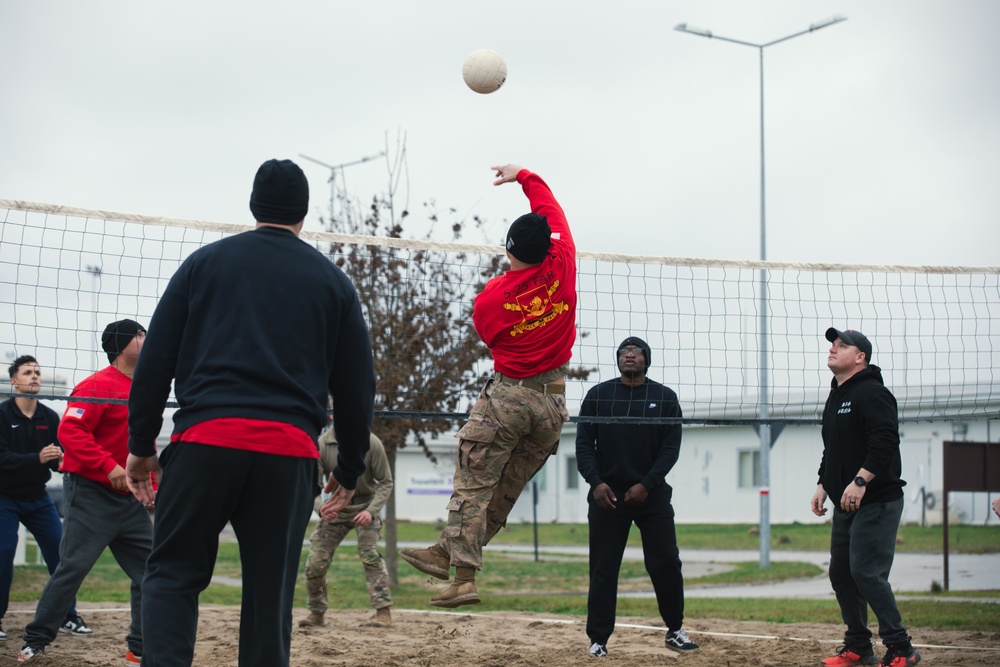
22,474
622,455
258,326
861,430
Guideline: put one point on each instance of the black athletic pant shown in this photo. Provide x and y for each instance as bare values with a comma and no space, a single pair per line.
608,534
862,548
268,499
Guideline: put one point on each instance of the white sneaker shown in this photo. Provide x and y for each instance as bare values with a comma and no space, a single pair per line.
75,626
597,650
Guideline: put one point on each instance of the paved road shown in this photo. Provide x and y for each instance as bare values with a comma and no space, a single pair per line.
911,573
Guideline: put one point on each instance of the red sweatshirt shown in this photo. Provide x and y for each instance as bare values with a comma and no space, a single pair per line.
95,435
528,317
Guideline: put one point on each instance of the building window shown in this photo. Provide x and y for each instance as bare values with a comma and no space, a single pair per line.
749,468
572,475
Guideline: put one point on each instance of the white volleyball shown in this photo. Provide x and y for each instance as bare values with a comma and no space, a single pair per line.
484,71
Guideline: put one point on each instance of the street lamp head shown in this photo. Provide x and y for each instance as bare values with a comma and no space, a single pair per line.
694,30
822,23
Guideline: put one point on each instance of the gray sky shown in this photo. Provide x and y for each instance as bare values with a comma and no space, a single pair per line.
883,132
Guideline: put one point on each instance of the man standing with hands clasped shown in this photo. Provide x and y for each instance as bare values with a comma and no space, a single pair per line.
626,465
860,471
29,452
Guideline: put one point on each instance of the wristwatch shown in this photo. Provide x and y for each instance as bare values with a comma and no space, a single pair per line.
860,481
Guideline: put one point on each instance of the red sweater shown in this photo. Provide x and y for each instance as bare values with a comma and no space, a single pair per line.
528,317
95,435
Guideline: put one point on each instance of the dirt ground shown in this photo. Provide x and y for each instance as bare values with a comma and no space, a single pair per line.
428,638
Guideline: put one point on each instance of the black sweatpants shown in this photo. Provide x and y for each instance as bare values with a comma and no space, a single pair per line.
268,499
608,535
862,548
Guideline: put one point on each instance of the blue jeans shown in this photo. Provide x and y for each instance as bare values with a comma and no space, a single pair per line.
95,518
862,547
42,521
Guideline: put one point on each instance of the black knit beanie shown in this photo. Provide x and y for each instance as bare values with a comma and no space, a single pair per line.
118,335
280,193
639,343
529,238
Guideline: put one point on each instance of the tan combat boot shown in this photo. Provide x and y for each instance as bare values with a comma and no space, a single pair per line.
383,616
461,592
313,620
433,561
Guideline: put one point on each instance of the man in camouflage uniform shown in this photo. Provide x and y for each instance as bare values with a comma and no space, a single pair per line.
527,317
362,515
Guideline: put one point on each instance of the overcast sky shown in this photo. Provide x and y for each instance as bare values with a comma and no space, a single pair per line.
882,132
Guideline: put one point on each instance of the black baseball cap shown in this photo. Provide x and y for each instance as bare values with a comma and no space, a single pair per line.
852,337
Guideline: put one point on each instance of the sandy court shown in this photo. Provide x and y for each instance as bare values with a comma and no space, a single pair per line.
495,639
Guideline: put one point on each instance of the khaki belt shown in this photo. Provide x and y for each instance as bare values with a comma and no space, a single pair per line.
534,385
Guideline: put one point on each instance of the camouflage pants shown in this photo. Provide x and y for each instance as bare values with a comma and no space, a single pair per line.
325,539
510,434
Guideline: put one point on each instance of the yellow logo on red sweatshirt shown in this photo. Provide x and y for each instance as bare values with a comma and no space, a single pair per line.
536,307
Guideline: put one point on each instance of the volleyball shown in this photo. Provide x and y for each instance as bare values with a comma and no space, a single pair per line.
484,71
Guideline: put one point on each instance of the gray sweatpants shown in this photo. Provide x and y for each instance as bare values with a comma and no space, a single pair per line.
95,517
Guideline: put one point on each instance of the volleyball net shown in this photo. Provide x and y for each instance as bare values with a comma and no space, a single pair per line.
739,341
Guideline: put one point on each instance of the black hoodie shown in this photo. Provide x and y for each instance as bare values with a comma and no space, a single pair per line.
861,430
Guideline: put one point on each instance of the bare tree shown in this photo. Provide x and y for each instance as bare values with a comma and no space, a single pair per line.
418,304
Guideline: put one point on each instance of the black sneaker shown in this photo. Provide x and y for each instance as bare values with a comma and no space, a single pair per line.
678,640
597,650
74,625
3,635
900,655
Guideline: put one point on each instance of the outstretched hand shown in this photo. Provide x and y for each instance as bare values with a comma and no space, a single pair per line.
338,500
506,174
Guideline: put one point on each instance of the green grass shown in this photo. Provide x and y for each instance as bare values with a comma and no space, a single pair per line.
784,537
558,584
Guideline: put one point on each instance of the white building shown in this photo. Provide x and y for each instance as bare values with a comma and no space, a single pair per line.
715,478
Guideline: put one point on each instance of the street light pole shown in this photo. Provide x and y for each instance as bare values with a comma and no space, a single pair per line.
763,389
95,272
333,173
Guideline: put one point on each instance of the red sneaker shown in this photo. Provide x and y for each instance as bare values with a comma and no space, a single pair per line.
900,656
132,658
849,657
